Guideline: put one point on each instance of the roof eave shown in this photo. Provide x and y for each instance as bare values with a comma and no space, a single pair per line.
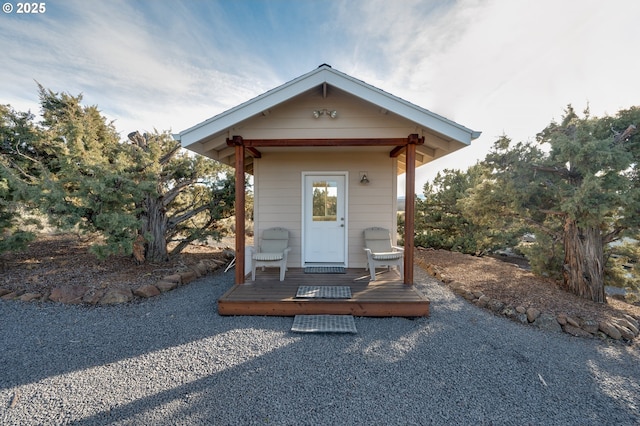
324,74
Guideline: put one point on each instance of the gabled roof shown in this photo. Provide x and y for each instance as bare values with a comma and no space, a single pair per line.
324,74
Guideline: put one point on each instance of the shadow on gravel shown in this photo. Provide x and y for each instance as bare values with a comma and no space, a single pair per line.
175,361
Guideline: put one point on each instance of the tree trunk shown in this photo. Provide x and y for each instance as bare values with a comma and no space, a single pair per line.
583,270
153,228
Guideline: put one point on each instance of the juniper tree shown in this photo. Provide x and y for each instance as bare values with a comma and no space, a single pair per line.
582,190
146,189
442,219
18,178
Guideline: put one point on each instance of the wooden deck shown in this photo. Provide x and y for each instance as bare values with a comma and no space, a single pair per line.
388,296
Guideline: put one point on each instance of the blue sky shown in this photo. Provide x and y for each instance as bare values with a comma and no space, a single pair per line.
498,66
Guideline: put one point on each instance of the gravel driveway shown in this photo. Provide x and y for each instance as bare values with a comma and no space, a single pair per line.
172,360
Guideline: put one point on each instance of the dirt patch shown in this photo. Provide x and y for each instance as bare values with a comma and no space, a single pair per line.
515,286
64,260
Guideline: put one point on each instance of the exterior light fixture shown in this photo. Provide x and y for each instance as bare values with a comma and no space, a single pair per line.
317,113
364,180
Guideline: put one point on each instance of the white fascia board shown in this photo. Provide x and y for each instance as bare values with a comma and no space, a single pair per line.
325,74
405,109
257,105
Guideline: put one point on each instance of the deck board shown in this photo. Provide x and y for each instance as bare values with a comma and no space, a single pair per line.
385,297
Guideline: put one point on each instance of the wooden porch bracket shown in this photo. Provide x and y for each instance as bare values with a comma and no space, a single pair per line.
414,139
254,152
237,142
409,211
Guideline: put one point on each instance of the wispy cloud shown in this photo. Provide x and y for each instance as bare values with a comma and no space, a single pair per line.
493,65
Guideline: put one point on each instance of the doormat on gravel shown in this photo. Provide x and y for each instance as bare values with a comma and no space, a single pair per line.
324,292
324,324
324,270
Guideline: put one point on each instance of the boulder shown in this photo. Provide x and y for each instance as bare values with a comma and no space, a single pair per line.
590,326
165,286
521,309
547,322
628,324
495,305
608,329
483,300
632,320
575,331
201,269
624,331
10,296
68,294
93,296
532,314
562,319
147,291
175,278
117,295
28,297
187,277
572,321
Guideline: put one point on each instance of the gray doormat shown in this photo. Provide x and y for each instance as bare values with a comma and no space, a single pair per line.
324,291
324,324
324,270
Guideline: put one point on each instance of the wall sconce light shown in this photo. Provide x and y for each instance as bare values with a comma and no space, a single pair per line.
317,113
364,180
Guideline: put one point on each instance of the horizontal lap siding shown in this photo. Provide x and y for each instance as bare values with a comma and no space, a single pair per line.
278,193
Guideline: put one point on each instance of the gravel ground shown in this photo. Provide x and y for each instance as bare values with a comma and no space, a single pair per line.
172,360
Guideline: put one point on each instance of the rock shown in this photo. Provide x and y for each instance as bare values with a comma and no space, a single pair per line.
4,291
175,278
521,309
547,322
10,296
624,331
478,294
495,305
608,329
147,291
468,295
625,323
483,300
28,297
575,331
93,296
68,294
117,295
455,285
201,268
165,286
187,277
533,314
631,320
571,321
562,319
590,326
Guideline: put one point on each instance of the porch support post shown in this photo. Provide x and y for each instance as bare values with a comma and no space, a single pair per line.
409,211
237,142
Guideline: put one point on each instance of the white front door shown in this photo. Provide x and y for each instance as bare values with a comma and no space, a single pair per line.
324,221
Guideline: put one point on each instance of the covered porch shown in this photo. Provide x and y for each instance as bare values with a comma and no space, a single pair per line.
388,296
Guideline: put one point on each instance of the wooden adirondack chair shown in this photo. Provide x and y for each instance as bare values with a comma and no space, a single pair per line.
380,252
272,251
